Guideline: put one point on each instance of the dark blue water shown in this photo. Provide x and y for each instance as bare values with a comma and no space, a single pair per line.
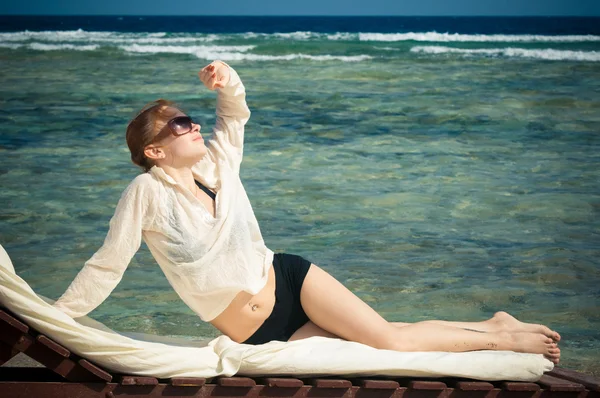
239,24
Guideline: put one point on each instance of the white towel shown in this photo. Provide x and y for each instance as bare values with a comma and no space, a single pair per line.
165,357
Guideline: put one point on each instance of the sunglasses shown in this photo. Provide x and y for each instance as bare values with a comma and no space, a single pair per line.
177,126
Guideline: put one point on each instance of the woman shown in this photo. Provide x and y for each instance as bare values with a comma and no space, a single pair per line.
191,209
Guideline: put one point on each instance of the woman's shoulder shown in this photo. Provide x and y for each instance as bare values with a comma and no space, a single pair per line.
143,184
145,178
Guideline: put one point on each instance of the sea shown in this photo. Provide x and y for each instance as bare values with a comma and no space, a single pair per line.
439,167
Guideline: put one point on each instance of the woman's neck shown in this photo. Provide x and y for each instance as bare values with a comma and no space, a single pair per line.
182,176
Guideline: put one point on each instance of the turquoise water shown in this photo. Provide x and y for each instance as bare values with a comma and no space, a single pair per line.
434,184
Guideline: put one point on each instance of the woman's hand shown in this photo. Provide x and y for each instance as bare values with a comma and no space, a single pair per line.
214,75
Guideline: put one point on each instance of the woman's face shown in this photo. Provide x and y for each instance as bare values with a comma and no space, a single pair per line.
180,150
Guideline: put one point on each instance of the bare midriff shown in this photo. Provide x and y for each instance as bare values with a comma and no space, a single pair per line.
247,312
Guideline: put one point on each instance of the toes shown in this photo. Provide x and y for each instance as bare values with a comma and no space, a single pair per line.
552,358
549,332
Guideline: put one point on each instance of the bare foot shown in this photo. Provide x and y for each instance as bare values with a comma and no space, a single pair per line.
508,323
554,354
534,343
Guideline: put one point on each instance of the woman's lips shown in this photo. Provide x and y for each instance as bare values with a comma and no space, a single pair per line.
197,138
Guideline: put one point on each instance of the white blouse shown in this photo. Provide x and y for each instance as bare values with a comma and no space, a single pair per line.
208,260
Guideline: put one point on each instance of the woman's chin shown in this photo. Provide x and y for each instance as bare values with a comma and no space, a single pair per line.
200,155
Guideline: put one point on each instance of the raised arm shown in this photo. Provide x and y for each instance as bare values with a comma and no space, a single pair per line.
101,273
227,141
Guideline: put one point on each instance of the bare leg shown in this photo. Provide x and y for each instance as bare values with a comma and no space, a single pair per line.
336,310
428,336
500,322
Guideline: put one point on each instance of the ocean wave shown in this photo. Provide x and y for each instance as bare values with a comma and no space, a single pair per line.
457,37
158,38
54,47
104,37
294,35
420,36
386,48
236,53
547,54
286,57
136,48
12,46
209,52
53,35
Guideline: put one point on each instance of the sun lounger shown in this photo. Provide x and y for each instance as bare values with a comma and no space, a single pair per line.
67,375
83,357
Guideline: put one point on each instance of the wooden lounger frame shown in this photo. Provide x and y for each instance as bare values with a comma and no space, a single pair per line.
67,375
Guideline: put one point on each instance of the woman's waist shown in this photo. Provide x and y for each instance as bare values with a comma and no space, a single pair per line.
244,315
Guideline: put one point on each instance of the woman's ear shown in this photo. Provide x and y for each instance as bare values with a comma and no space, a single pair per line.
154,152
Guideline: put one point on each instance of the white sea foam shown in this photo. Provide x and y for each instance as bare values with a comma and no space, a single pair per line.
342,36
104,37
288,57
387,48
164,38
153,40
136,48
294,35
424,36
54,47
235,53
10,45
547,53
54,35
456,37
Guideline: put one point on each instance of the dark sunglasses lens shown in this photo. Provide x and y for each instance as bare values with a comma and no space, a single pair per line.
181,125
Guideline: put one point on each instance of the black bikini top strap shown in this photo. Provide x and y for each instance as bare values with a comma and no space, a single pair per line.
208,191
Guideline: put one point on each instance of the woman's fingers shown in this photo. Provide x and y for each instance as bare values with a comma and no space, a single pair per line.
204,72
213,81
214,75
206,76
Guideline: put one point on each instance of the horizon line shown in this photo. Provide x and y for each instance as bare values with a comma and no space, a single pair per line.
309,15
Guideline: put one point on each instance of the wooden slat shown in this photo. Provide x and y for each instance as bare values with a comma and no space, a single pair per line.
520,386
126,380
47,352
20,343
589,382
65,367
187,381
281,382
377,384
426,385
473,385
13,322
53,346
235,382
330,383
555,384
95,370
13,336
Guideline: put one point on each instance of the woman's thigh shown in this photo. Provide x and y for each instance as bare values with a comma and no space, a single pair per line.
336,310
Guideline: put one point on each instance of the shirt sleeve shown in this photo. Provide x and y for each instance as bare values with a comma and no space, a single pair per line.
103,272
227,141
